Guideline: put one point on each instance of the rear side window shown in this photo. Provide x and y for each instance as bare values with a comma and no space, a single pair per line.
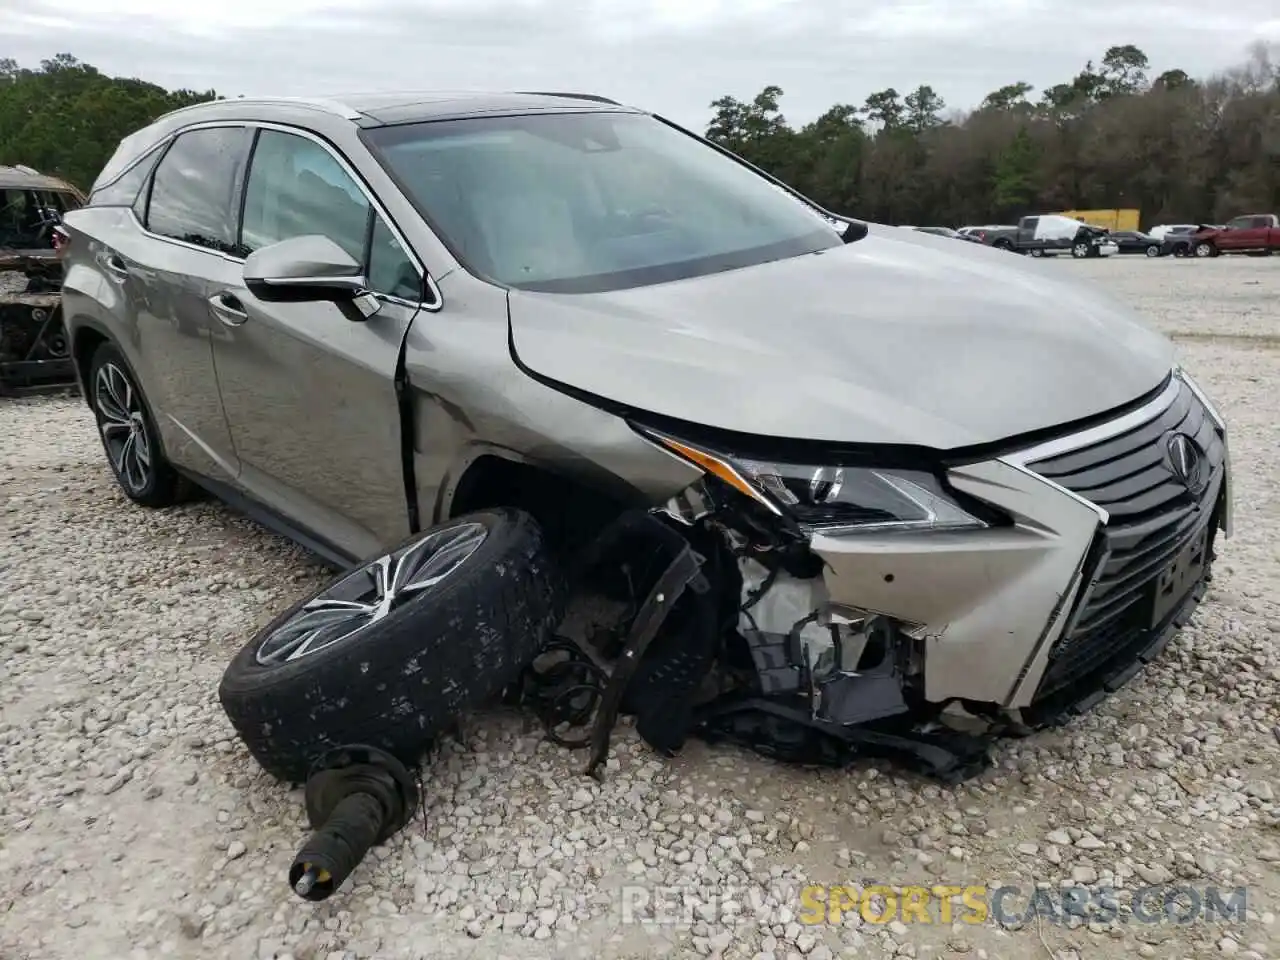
1029,223
123,191
195,185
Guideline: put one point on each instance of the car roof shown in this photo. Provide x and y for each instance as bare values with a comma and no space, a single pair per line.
360,109
411,106
24,178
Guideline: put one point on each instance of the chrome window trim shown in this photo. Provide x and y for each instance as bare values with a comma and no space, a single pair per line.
120,176
374,203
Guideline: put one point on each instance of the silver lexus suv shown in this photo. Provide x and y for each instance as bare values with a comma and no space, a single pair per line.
948,484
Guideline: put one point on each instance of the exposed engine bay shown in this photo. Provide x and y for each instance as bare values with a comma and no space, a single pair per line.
702,618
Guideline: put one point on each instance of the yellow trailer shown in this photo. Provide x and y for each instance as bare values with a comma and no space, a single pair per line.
1126,219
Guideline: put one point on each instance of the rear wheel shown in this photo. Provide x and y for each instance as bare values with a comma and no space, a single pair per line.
1037,252
1153,250
128,432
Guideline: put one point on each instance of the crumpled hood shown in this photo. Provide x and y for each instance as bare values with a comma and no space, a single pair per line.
901,337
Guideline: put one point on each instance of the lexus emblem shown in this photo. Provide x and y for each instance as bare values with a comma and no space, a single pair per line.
1187,462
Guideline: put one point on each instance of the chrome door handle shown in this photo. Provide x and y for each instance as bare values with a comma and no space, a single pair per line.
227,308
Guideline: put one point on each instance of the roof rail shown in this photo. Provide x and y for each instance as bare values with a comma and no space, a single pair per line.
328,106
593,97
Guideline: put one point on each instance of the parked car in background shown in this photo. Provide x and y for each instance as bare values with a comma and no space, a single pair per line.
1133,241
1050,234
938,231
945,232
978,232
33,344
1257,233
1163,230
31,205
1175,240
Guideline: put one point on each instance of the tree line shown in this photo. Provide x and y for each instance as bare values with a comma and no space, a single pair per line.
1178,148
65,117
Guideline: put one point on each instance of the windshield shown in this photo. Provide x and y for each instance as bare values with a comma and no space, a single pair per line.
587,202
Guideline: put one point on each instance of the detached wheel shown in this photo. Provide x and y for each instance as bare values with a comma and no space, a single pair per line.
393,652
128,432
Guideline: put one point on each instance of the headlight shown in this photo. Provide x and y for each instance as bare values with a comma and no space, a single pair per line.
837,499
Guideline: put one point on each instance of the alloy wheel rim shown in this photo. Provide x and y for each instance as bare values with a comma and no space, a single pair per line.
370,594
123,426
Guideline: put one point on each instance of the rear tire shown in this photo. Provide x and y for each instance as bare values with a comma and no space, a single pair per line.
1153,250
1037,252
128,432
398,679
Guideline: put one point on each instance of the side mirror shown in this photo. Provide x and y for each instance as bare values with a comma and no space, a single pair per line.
304,269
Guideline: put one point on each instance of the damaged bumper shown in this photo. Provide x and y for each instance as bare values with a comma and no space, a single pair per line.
1104,550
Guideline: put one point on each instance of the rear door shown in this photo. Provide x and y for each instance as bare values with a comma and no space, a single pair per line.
186,213
309,394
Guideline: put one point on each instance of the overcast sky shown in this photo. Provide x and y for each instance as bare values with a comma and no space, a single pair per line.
671,56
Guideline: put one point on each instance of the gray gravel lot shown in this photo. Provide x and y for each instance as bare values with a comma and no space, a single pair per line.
132,824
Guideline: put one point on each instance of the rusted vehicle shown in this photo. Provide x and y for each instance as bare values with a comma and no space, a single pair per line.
33,343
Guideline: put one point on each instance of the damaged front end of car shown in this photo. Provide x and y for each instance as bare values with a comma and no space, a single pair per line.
890,606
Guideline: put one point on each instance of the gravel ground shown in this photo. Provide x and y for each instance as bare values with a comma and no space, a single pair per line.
132,824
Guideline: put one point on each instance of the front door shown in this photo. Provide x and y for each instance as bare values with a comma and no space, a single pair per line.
1239,235
309,394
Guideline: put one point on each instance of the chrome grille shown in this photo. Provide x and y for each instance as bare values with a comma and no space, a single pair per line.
1152,517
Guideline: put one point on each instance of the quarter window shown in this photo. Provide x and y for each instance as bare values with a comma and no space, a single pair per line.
123,191
195,185
390,269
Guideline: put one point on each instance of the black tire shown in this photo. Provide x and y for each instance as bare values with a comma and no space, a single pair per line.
1153,250
401,681
161,486
1080,249
1037,252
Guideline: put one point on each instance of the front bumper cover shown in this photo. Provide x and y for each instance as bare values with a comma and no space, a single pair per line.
1058,605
